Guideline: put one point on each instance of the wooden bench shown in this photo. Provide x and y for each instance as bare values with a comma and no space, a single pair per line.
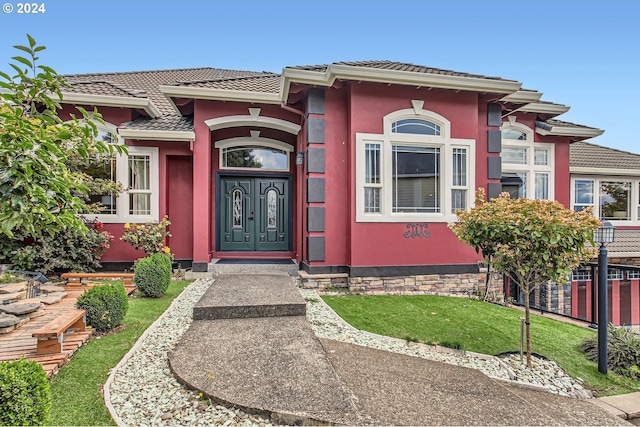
76,278
51,336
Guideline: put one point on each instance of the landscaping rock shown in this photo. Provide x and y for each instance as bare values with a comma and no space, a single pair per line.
8,322
18,309
53,297
9,288
48,288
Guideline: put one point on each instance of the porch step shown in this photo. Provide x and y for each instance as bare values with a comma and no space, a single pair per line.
242,296
253,266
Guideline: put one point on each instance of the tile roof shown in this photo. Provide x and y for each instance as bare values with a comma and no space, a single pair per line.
625,241
169,123
149,82
396,66
560,123
589,155
104,88
265,83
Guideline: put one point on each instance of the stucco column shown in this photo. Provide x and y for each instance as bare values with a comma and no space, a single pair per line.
202,203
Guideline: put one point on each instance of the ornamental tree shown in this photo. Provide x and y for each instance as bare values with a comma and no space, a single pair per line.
39,192
531,241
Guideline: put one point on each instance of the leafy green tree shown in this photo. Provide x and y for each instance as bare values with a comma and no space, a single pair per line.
39,191
531,241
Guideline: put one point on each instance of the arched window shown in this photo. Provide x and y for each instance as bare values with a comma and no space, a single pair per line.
254,153
414,171
527,166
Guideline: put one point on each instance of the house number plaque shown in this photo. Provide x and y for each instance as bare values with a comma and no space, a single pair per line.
419,230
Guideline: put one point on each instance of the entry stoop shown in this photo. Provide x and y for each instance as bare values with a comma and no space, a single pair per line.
243,296
253,266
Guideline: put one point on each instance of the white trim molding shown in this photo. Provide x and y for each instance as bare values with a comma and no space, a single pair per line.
253,119
604,171
544,108
220,94
577,131
111,101
523,97
157,135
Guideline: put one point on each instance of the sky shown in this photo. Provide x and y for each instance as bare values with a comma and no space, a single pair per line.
581,53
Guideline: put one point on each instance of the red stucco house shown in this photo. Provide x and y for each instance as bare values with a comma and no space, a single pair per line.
352,169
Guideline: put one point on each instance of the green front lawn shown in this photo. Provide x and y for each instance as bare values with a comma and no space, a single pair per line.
77,388
476,326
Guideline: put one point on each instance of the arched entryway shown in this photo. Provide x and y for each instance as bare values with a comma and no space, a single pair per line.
253,195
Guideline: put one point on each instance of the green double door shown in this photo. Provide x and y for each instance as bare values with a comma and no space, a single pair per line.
254,214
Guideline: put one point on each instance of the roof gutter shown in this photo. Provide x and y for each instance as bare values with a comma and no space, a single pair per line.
111,101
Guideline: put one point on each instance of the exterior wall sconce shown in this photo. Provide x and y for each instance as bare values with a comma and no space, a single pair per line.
603,235
300,158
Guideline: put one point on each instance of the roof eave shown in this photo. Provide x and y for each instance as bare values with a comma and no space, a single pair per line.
313,78
442,81
595,170
220,94
111,101
157,135
522,97
568,131
544,108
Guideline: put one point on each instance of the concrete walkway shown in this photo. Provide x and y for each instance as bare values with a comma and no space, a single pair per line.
251,346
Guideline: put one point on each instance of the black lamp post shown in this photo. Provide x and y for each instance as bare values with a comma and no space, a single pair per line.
603,235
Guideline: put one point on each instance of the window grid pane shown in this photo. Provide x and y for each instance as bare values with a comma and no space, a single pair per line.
460,167
139,172
140,204
541,157
614,200
513,134
372,163
514,156
371,200
542,186
415,126
139,185
458,200
416,179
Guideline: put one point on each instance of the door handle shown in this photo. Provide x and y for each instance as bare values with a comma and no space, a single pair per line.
250,217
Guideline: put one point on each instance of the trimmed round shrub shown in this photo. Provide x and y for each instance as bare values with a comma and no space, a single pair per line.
25,394
153,274
623,351
106,305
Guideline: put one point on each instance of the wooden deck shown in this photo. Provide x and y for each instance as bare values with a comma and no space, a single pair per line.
19,342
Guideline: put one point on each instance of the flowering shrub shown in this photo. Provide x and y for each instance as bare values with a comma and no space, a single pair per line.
66,250
150,237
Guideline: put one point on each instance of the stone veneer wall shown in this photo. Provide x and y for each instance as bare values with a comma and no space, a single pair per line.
553,298
468,284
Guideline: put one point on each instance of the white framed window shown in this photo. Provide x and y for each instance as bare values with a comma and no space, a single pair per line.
633,274
581,275
527,166
614,274
414,170
613,198
138,173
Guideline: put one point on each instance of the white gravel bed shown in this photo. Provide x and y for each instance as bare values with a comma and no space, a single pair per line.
545,374
143,392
